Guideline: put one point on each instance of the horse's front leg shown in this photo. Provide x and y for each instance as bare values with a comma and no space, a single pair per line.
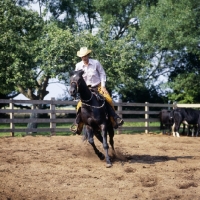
111,136
105,145
90,136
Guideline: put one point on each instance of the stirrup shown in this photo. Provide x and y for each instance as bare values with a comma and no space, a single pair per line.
74,128
120,121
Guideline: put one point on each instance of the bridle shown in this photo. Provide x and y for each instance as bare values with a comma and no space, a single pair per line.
77,85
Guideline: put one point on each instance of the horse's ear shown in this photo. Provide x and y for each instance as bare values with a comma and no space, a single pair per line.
71,73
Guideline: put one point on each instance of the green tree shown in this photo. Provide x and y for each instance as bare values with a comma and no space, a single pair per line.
136,42
19,30
114,43
32,52
184,81
170,25
168,32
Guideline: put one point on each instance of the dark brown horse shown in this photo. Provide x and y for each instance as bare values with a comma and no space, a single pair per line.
94,115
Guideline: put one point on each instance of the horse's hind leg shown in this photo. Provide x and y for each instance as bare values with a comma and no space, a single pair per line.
100,138
105,146
111,136
91,141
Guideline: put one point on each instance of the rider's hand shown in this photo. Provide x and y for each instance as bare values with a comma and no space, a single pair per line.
103,90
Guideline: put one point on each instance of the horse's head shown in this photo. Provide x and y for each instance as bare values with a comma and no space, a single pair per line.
75,79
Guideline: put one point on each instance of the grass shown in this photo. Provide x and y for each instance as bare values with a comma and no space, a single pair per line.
67,126
41,125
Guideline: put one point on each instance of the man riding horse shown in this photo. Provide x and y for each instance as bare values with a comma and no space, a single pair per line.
95,77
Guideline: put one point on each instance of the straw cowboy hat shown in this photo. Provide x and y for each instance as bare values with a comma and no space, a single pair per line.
83,52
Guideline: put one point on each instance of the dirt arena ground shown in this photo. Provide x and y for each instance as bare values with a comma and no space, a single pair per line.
146,166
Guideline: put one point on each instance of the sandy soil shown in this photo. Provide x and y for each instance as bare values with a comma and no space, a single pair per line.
155,167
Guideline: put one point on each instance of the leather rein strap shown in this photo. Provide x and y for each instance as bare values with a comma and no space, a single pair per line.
76,83
78,89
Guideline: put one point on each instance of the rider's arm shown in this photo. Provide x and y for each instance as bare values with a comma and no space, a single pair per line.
102,74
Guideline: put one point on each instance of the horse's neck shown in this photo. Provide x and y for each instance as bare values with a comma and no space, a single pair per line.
84,91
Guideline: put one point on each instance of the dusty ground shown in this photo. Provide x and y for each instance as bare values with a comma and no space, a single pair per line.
154,167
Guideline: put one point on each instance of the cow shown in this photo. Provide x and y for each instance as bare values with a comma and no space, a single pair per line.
187,116
166,121
192,129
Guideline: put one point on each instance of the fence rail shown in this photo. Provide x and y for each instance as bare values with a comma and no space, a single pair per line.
143,112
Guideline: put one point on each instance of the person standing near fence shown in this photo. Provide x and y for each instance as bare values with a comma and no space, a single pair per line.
95,77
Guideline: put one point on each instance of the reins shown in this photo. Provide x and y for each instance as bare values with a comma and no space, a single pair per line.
82,101
78,88
88,99
93,106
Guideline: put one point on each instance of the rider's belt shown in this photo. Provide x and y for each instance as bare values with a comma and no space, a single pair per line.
96,86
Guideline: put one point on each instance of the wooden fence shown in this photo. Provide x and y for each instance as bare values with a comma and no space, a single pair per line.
131,112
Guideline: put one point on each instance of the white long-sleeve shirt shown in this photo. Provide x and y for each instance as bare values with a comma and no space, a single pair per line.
93,73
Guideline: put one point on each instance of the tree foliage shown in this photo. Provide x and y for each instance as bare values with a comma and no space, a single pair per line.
136,41
31,51
170,25
184,80
19,29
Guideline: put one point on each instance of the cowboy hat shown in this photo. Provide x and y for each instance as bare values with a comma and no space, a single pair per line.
83,52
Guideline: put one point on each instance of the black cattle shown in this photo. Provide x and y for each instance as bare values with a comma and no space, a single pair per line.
192,129
186,116
166,121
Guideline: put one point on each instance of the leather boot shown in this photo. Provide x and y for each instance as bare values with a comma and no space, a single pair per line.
77,128
119,121
114,124
114,118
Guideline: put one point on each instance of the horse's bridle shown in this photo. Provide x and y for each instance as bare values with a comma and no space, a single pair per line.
77,85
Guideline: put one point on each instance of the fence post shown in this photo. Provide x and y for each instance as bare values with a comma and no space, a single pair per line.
174,105
12,125
119,108
32,125
146,118
52,116
169,108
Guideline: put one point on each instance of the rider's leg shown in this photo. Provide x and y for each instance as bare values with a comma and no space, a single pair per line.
115,119
77,126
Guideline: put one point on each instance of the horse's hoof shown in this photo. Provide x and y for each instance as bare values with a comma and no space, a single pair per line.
102,157
108,165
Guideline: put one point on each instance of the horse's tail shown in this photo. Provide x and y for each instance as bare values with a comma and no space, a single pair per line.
85,135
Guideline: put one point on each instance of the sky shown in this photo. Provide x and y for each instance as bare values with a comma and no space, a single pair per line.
55,90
